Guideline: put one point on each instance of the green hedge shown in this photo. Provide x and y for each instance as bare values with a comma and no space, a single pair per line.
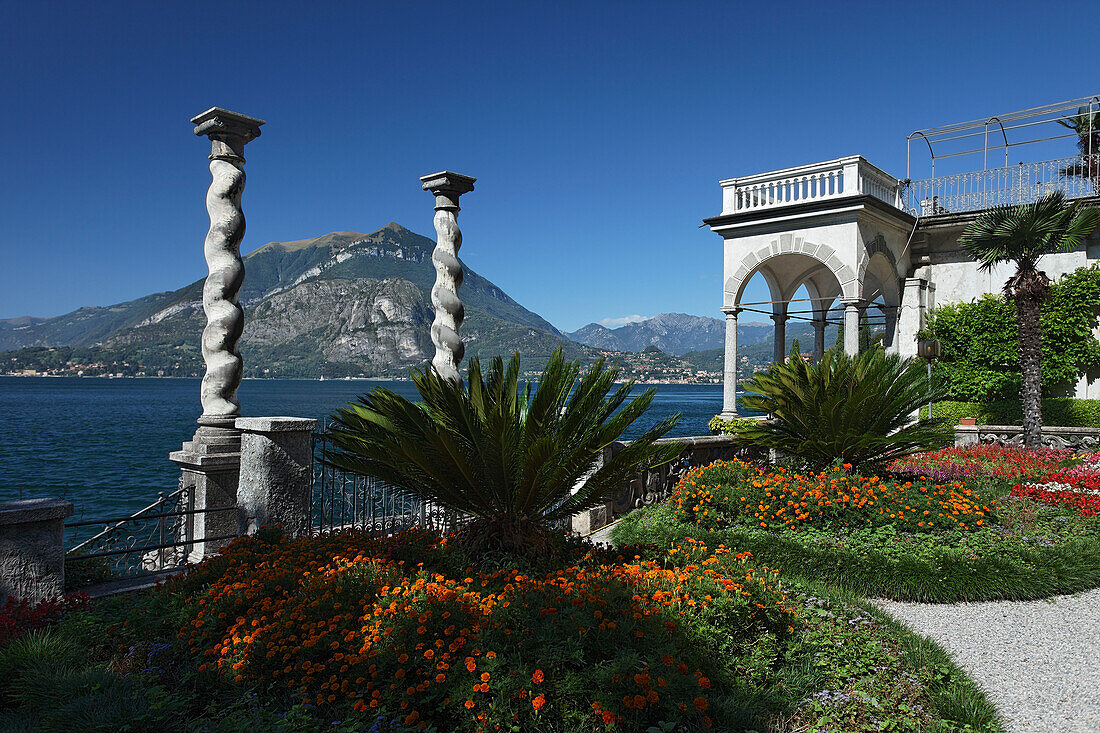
1062,412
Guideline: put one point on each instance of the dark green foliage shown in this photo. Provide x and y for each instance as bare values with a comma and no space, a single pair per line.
981,356
1057,411
842,409
505,456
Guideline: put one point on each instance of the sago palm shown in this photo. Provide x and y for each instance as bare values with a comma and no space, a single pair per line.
842,409
506,456
1022,235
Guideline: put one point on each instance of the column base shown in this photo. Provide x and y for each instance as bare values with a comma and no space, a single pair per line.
210,465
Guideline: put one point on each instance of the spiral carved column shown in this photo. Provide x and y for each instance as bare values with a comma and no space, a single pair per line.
228,133
449,312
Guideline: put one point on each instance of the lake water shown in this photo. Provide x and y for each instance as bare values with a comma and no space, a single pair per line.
103,443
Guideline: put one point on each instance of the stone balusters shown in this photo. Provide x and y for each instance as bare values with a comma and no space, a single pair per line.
449,349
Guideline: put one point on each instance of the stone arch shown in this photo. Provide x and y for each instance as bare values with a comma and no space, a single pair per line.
876,246
787,244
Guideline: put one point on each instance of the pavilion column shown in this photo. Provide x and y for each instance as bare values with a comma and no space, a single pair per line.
210,463
780,320
851,325
729,375
819,339
449,312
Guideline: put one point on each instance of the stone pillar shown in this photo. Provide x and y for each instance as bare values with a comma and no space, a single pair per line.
819,339
32,550
276,481
890,316
729,375
211,461
779,355
851,325
447,187
910,316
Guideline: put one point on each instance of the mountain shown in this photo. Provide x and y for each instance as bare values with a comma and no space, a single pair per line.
672,333
342,304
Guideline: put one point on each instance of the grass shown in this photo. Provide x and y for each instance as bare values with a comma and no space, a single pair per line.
883,564
671,623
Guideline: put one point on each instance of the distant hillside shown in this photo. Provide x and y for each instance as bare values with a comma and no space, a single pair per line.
672,333
340,304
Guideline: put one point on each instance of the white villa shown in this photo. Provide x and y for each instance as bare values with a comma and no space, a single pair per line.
862,242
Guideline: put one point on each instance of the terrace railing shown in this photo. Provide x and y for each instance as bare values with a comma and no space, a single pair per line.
1078,177
831,179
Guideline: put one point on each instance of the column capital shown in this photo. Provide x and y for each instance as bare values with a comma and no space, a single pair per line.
447,187
780,317
852,302
228,131
732,311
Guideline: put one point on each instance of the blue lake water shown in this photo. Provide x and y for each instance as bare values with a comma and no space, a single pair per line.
103,443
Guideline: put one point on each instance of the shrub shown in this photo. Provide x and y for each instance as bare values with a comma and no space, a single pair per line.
508,458
842,409
739,493
20,616
1058,411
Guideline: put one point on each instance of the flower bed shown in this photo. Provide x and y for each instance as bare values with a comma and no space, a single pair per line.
905,537
740,493
1076,486
352,619
982,462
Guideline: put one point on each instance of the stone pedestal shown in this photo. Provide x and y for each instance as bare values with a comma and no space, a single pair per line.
210,465
32,551
276,480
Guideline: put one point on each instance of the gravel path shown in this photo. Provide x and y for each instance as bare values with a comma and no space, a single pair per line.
1039,661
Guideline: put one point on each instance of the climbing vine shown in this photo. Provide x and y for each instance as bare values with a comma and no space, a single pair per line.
981,351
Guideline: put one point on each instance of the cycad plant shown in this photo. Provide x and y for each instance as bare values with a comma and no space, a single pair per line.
1021,235
509,457
842,409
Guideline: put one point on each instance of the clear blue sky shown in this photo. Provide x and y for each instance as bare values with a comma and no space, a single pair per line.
597,131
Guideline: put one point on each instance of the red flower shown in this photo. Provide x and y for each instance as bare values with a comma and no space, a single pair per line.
538,702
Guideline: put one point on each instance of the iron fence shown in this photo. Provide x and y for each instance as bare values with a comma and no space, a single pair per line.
159,537
344,500
1078,177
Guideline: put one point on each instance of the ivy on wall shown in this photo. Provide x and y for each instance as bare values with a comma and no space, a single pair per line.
980,344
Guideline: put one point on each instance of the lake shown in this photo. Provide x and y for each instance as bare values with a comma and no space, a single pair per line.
103,443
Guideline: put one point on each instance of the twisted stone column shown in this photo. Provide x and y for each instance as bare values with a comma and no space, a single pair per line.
449,349
228,133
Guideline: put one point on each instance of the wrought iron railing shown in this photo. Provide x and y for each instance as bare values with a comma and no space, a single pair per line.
344,500
1019,184
159,537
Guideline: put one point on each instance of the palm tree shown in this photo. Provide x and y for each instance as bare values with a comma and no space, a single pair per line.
509,459
1022,234
1086,124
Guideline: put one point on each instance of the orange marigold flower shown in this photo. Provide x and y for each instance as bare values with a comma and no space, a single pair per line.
469,704
537,677
701,704
538,702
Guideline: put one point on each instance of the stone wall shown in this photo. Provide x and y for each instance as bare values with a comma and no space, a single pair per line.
1082,440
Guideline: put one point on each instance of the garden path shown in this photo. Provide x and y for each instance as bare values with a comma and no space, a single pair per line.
1037,660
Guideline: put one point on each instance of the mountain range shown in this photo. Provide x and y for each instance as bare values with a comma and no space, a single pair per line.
342,304
351,304
672,333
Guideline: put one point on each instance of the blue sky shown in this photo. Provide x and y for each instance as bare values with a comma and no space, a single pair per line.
597,130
